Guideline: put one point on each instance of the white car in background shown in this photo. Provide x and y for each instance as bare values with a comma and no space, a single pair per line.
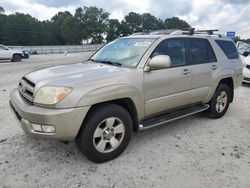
244,50
10,54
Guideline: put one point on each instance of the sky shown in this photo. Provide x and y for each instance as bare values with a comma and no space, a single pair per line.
225,15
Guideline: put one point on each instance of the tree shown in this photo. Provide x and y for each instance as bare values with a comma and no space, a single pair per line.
89,23
2,22
57,23
149,22
71,31
93,23
133,22
237,38
2,11
114,30
175,23
19,29
125,29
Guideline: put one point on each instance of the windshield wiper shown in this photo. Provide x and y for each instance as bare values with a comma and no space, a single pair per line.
93,60
111,63
106,62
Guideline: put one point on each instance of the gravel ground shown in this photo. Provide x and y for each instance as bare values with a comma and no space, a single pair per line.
192,152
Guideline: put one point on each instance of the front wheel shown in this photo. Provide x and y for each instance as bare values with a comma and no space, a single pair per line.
16,58
220,102
106,133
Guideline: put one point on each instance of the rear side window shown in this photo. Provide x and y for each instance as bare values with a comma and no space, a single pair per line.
228,48
201,51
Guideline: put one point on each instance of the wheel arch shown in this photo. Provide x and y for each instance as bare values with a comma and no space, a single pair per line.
229,82
126,103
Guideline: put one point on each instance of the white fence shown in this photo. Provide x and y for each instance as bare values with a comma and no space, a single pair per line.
58,48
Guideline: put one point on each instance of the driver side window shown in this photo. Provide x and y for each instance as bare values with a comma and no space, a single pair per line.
175,49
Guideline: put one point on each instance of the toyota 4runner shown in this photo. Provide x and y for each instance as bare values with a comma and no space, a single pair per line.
133,83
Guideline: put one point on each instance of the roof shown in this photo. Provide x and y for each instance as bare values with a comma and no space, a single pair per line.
191,32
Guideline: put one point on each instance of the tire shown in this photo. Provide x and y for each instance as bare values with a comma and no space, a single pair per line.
16,58
105,133
220,102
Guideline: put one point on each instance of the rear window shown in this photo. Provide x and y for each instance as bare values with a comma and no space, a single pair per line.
228,48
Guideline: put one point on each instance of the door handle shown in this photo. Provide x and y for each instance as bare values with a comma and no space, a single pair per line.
186,71
214,67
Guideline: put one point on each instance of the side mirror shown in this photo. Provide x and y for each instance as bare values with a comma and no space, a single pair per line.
245,53
159,62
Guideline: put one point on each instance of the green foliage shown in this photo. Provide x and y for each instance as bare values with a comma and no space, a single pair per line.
87,23
149,22
114,29
237,38
2,11
175,23
93,23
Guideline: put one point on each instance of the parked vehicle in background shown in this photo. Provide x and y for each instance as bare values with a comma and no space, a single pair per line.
25,55
133,83
10,54
244,51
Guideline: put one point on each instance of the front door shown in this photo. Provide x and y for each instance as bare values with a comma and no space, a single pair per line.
169,88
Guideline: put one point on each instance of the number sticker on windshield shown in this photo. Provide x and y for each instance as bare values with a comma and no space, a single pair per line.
142,44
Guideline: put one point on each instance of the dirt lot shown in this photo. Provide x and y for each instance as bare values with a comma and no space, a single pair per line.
192,152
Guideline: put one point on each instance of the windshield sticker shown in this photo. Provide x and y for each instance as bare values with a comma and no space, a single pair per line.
142,44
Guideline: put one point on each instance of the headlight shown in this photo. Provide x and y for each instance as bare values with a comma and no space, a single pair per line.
51,94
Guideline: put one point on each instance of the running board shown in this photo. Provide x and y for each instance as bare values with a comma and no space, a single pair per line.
171,116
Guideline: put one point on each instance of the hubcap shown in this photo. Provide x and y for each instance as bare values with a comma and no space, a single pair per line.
221,101
108,135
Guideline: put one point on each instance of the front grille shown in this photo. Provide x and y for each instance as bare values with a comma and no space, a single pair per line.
248,67
26,88
247,79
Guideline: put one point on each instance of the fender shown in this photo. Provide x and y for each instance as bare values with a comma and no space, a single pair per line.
225,73
113,92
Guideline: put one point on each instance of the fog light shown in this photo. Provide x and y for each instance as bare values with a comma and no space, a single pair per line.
37,127
48,128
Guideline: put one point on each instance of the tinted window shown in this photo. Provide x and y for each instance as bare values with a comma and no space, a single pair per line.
175,49
228,48
201,51
210,52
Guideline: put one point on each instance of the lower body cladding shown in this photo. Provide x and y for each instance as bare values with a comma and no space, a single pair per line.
246,73
39,122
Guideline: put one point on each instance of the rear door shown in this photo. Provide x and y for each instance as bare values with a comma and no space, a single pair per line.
203,65
168,88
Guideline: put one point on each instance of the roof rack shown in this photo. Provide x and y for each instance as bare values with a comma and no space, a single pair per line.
162,32
207,31
183,31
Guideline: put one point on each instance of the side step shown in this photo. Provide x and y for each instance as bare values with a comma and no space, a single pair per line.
171,116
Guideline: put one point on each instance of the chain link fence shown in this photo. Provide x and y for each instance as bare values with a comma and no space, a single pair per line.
58,48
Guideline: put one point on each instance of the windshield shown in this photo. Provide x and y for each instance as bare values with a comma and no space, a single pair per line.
3,47
125,52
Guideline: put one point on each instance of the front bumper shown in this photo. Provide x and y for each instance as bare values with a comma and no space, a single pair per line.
67,122
246,73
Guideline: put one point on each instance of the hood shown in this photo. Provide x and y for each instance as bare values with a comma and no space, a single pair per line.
68,75
15,51
85,78
245,60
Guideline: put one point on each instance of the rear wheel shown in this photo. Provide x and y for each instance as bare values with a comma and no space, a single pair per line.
106,133
16,58
220,102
